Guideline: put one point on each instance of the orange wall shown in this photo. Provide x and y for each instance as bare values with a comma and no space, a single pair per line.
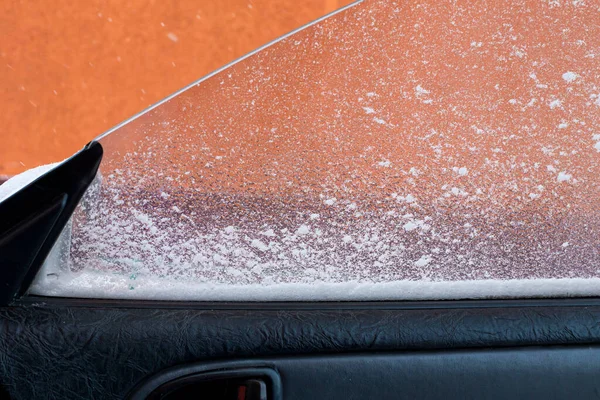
70,70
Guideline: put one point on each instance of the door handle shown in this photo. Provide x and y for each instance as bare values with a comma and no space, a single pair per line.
187,383
252,389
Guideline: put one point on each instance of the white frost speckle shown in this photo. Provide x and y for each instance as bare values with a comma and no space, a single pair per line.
229,229
462,171
410,226
458,192
379,121
554,103
565,244
410,198
569,76
423,261
233,271
143,218
563,176
330,201
314,216
369,110
563,125
259,245
172,37
597,145
384,164
303,230
347,239
420,90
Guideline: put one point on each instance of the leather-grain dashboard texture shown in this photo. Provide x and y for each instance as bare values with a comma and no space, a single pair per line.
82,350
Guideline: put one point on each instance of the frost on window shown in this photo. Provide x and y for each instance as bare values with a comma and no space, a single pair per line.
392,151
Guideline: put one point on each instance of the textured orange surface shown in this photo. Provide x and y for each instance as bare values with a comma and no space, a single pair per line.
70,70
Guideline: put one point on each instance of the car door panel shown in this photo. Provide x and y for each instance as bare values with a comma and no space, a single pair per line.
57,348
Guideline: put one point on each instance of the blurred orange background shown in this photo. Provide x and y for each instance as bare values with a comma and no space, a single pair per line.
71,70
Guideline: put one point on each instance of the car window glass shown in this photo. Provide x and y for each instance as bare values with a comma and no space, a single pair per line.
392,151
